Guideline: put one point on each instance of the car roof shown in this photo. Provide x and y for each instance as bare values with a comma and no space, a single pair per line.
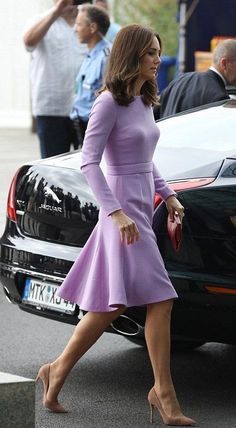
194,144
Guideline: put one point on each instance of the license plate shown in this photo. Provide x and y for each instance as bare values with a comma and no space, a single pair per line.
43,295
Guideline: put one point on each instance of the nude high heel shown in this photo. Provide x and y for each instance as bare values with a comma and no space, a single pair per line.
43,375
155,403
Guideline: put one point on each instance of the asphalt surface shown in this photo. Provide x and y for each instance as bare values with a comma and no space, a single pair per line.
109,386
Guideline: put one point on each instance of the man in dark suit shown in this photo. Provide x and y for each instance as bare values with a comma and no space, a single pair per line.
196,88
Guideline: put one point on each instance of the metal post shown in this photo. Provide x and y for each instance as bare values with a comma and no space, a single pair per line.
182,35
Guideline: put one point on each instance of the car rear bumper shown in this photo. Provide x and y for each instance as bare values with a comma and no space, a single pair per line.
197,315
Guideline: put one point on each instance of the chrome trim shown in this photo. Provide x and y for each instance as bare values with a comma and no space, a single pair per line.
19,212
42,248
30,273
7,294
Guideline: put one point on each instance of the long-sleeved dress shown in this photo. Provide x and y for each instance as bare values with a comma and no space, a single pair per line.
108,272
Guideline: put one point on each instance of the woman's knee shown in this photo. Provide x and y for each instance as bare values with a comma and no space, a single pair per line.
161,308
118,312
107,317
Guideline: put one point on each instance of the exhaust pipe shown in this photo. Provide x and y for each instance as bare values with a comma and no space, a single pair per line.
127,326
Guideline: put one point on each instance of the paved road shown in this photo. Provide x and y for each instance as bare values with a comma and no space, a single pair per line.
108,388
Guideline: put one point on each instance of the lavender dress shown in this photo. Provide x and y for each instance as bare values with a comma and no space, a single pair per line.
107,272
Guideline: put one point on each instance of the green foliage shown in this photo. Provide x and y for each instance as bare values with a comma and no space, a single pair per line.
160,15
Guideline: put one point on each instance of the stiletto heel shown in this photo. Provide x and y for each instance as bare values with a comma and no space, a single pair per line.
151,413
154,402
44,375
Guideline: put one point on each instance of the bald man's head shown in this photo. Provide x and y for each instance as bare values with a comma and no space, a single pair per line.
224,60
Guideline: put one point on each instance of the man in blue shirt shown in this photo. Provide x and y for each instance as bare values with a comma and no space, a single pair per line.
92,24
114,26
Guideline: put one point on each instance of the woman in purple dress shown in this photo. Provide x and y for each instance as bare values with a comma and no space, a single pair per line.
120,265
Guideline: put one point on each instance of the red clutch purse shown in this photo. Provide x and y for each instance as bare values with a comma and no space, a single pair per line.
174,229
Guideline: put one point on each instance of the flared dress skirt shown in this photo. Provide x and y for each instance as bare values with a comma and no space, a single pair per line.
109,273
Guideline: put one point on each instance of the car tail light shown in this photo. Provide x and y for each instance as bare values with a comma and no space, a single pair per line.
157,200
184,185
214,289
11,202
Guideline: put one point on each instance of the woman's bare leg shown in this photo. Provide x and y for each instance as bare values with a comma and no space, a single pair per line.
157,333
86,333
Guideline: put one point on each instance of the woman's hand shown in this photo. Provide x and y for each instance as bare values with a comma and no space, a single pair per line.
128,230
174,206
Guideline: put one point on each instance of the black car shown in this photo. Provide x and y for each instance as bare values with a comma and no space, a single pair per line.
51,212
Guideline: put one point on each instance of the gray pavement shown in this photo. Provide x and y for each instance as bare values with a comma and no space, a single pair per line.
108,388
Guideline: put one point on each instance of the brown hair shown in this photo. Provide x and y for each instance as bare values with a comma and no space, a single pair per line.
130,44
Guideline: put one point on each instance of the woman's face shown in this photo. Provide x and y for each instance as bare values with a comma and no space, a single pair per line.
150,61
